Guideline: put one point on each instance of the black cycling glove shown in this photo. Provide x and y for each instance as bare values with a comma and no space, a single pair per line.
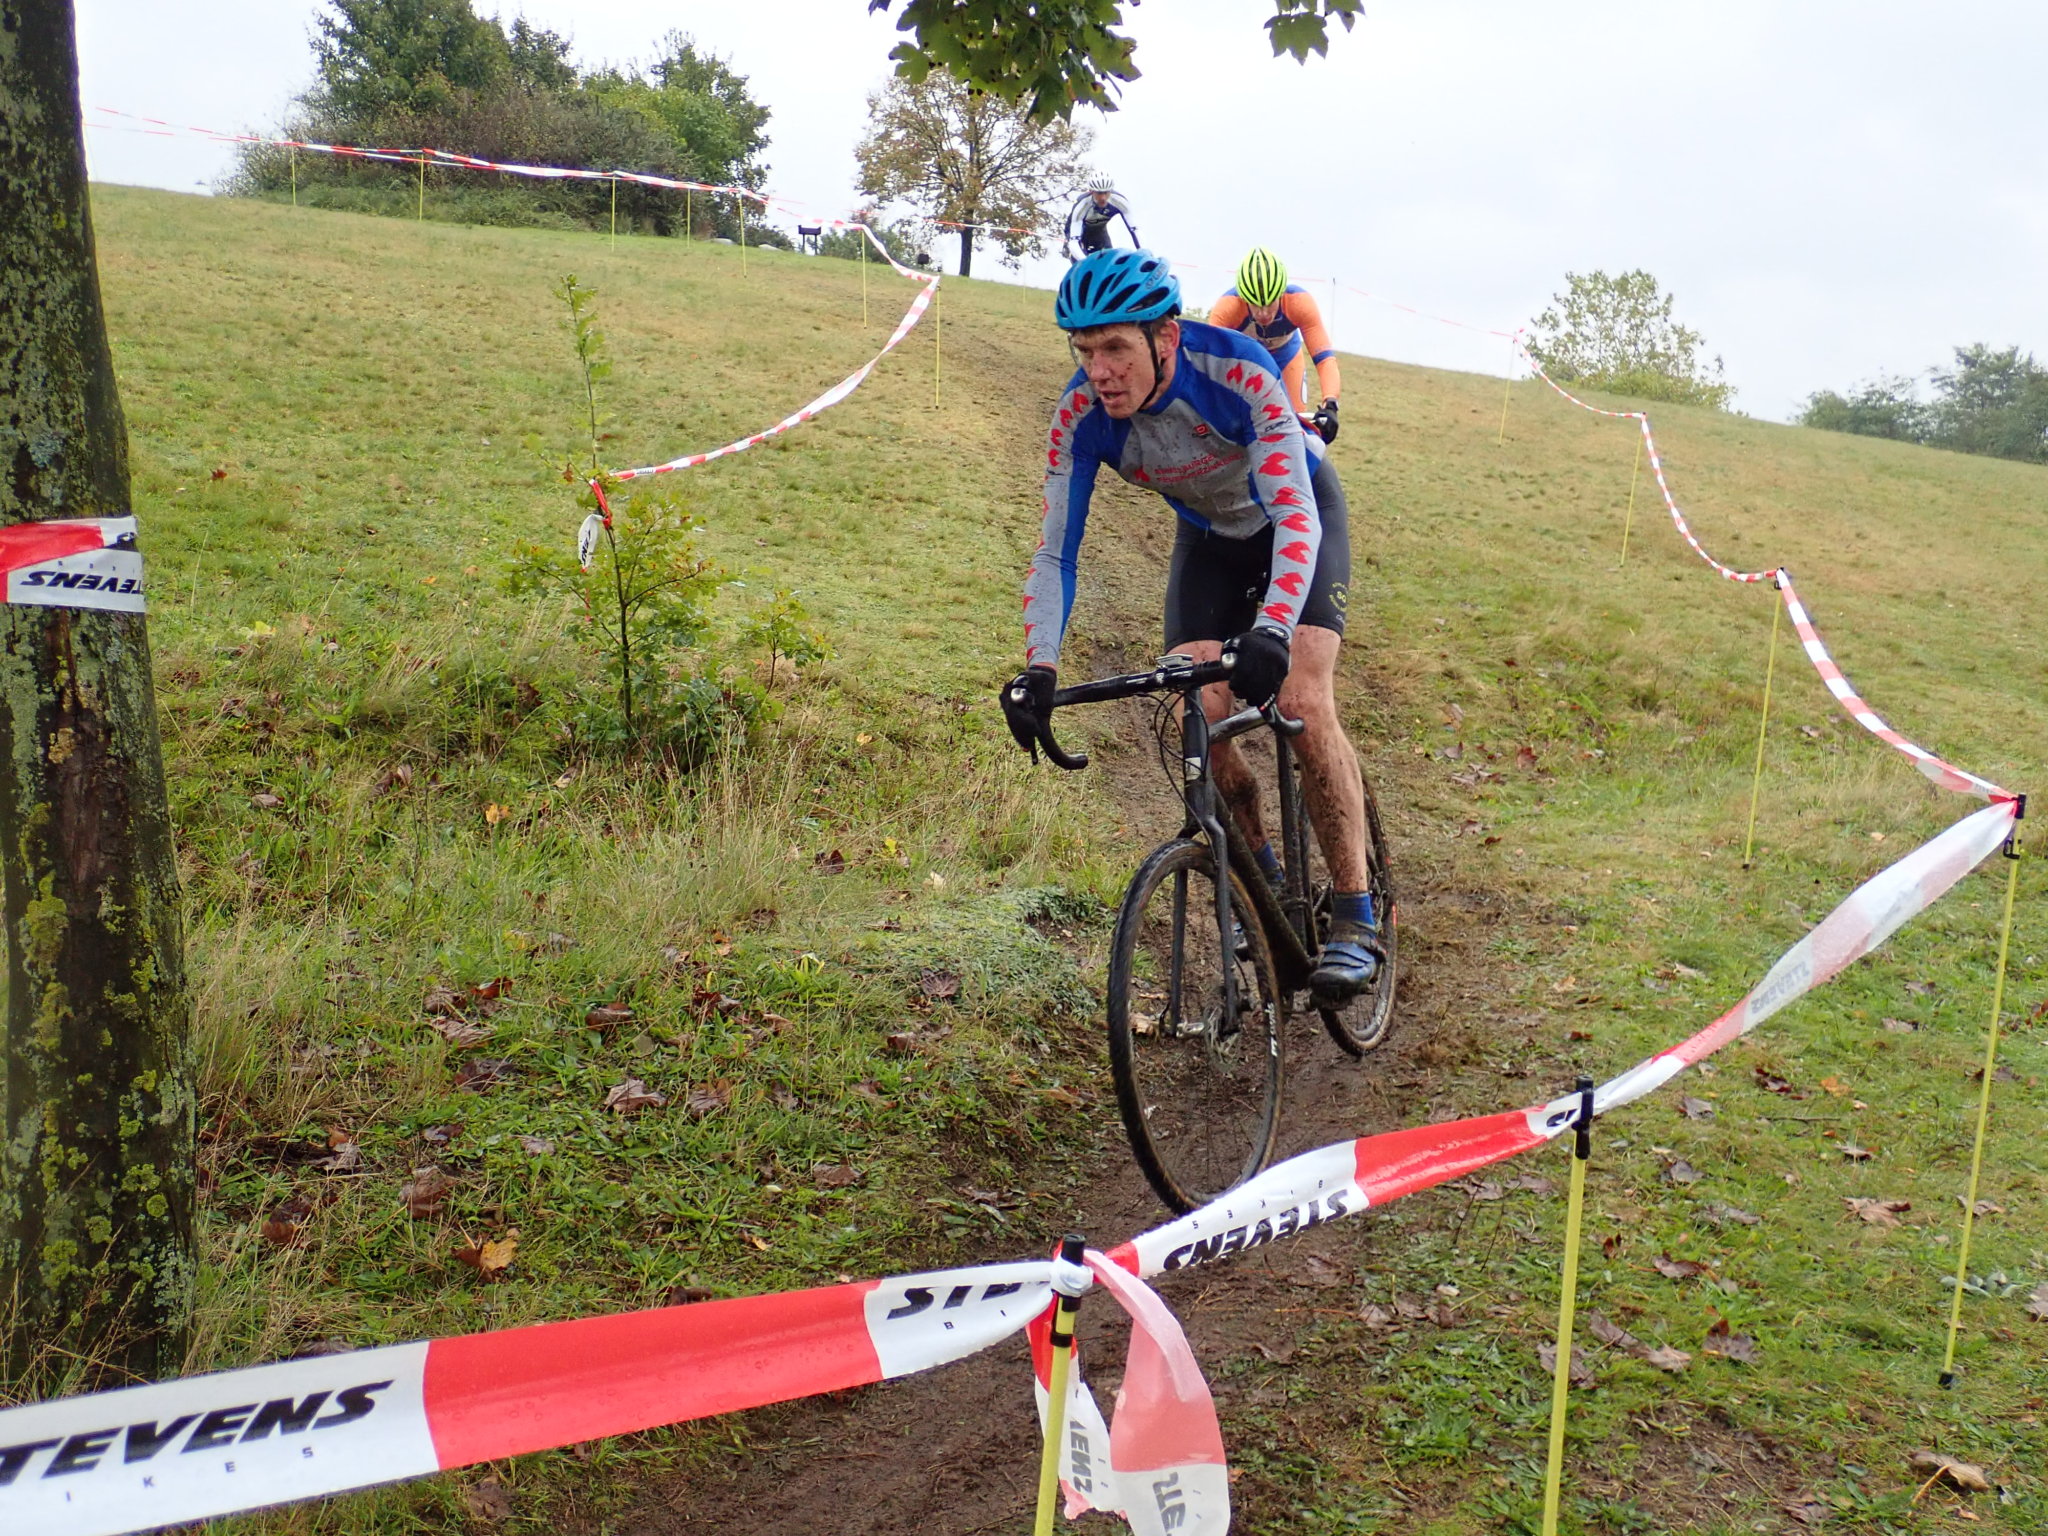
1326,421
1028,716
1260,667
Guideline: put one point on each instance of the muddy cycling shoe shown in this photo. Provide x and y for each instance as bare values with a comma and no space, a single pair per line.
1349,963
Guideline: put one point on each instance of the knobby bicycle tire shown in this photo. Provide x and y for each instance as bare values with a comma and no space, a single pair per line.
1200,1101
1365,1023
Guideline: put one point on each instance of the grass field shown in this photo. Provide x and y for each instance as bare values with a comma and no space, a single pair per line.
376,799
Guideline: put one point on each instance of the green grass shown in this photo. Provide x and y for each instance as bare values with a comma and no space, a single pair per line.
330,610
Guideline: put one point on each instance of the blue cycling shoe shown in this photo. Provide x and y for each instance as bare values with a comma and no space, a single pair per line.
1348,965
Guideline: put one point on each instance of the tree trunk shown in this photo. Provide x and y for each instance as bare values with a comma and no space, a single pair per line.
966,252
96,1164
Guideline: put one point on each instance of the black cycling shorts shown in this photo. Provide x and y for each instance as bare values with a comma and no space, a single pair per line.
1215,585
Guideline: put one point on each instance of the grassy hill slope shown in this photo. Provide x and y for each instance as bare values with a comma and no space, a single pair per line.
328,611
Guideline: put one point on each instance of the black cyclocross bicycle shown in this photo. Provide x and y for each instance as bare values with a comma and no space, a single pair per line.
1208,955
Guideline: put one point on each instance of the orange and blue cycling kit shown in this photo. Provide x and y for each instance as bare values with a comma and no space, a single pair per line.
1219,444
1297,323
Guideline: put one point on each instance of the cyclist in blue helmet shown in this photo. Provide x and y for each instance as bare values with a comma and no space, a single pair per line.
1261,564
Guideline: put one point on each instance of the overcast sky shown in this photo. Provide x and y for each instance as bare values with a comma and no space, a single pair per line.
1829,188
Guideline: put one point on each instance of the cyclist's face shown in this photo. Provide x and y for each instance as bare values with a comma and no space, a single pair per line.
1119,366
1265,313
1101,199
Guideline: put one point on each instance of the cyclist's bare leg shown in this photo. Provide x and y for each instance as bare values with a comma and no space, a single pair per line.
1330,780
1233,774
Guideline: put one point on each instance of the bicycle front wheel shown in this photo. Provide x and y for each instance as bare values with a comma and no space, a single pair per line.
1199,1088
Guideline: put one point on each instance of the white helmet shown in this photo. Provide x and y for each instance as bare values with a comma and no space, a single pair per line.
1101,184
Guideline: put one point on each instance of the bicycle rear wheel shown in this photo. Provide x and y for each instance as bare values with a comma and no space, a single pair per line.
1199,1093
1364,1023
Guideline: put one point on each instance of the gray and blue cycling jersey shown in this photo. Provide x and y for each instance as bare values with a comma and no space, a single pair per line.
1220,444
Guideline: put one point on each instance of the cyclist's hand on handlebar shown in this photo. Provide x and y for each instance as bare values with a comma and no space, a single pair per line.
1259,660
1325,421
1027,705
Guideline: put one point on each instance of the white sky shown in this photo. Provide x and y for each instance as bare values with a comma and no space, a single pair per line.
1829,188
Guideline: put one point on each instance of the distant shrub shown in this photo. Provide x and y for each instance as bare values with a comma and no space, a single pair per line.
1990,402
1617,334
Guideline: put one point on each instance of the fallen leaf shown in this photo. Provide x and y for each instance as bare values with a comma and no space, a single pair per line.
1410,1308
1854,1153
1668,1359
1444,1315
488,1501
836,1176
425,1192
709,1098
1319,1272
1770,1082
942,985
1985,1207
832,863
1811,1512
442,1002
1535,1184
1739,1347
343,1155
1900,1026
2037,1304
1373,1315
266,801
397,777
1696,1109
903,1043
1879,1213
441,1135
1722,1215
1687,972
539,1146
1611,1333
632,1096
607,1016
495,813
1489,1191
687,1295
481,1072
754,1239
1833,1086
1679,1269
493,989
1958,1474
1581,1372
1921,988
460,1032
491,1257
1681,1172
287,1224
1525,756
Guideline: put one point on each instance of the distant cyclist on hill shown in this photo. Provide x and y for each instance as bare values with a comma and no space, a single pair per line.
1266,306
1091,214
1261,557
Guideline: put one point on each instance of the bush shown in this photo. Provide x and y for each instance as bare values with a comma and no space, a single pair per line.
1617,334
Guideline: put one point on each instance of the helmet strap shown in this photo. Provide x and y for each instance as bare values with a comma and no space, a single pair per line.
1151,330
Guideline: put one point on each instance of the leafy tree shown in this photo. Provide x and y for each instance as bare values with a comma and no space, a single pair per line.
1054,55
964,156
700,105
539,58
1993,403
902,238
412,55
97,1099
1617,334
1884,407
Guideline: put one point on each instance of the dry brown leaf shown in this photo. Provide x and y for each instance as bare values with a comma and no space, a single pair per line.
1900,1026
495,813
488,1500
539,1146
687,1295
942,985
1444,1315
1488,1191
836,1176
491,1257
1812,1512
608,1016
1770,1082
1667,1359
904,1043
1854,1153
1611,1333
832,863
1373,1315
1958,1474
343,1155
425,1192
266,801
1581,1372
709,1098
632,1096
391,778
1679,1269
1921,988
1535,1184
287,1224
493,989
1834,1087
1723,1215
2037,1304
1317,1271
1879,1213
442,1001
1985,1207
1696,1109
441,1135
481,1072
1721,1341
460,1032
1681,1172
1410,1308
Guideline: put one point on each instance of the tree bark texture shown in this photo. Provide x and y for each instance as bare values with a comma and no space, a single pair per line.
96,1168
966,253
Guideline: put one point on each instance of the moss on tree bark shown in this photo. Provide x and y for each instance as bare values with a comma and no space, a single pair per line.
96,1166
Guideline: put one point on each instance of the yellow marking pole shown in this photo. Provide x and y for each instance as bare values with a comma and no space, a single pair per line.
1056,1398
1629,517
1955,1306
1763,724
615,213
421,212
1561,1378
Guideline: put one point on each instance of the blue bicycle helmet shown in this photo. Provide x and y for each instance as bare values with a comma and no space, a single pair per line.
1114,287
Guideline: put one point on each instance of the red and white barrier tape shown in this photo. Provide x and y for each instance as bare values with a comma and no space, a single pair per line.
86,562
210,1445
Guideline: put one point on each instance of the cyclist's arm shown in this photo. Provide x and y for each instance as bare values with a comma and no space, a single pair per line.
1230,312
1071,232
1315,337
1123,211
1070,465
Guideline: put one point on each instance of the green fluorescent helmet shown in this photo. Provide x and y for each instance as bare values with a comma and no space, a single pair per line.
1261,277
